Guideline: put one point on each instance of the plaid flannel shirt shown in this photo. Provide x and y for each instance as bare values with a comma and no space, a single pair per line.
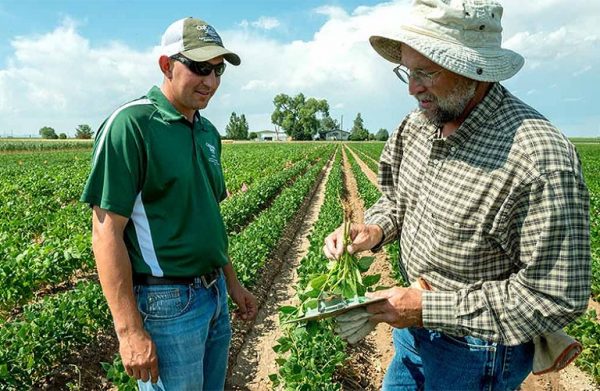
495,217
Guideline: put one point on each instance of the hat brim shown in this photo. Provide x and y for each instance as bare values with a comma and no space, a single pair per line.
209,52
482,64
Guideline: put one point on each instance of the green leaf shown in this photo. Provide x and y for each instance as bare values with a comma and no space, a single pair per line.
3,371
310,304
371,279
288,309
317,282
348,291
313,293
364,263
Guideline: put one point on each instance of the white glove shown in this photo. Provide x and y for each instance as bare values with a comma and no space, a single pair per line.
354,325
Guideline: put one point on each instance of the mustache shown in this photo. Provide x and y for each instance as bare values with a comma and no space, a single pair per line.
425,96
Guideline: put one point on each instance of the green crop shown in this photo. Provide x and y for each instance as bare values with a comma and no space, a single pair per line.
343,279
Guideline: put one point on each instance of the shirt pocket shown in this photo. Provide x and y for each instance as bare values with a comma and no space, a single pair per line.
461,249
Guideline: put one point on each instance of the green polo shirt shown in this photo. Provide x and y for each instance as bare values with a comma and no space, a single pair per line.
154,167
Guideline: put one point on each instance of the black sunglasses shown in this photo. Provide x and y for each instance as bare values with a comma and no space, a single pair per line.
203,68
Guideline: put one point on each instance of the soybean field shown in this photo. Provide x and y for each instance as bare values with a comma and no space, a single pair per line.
284,198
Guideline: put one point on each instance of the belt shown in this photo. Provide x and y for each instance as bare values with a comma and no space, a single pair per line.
207,279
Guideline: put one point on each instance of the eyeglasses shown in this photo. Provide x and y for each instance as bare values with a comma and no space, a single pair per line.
203,68
426,79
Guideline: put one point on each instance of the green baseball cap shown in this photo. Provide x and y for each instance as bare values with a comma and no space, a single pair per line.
195,39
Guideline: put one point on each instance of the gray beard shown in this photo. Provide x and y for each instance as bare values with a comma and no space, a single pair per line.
452,106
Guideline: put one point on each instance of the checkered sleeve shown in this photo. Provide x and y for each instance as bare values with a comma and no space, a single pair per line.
386,211
547,237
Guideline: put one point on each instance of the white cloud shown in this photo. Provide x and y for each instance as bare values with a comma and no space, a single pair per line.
62,79
266,23
262,23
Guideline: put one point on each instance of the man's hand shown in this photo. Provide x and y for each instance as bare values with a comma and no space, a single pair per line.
364,237
246,302
403,307
354,325
138,353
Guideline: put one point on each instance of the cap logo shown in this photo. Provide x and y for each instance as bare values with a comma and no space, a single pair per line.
208,34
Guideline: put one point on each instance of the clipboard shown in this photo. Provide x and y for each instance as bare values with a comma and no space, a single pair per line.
336,306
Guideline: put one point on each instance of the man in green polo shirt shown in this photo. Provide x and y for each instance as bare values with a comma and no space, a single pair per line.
158,235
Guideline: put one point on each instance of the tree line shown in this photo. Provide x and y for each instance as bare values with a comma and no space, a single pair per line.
299,117
303,118
83,132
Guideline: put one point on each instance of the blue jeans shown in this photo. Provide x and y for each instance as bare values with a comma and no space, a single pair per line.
190,326
430,360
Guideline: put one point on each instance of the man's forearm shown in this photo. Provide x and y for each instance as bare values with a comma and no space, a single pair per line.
114,271
230,275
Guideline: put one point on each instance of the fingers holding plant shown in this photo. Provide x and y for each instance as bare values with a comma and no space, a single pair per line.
352,238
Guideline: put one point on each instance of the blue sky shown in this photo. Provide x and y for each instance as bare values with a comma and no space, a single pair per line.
65,63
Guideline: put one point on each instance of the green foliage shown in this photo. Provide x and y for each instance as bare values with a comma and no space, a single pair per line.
328,124
237,128
252,135
48,133
586,329
308,355
115,372
37,145
298,116
47,331
84,132
382,135
343,280
62,136
358,132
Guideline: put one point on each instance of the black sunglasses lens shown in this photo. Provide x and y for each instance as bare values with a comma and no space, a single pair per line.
205,68
219,69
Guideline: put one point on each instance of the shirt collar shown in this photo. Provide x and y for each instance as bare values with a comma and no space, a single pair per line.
480,114
167,111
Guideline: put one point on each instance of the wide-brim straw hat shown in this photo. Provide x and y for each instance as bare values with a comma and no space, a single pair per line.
462,36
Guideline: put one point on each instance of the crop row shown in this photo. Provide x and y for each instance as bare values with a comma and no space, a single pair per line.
367,159
308,354
10,145
246,163
370,194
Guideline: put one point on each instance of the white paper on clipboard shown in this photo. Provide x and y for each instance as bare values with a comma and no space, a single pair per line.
338,308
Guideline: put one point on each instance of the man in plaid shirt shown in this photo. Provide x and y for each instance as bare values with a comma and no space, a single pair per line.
488,201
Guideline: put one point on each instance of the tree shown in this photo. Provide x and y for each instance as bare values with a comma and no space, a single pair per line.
84,131
358,132
299,117
62,136
327,125
48,133
382,135
237,128
252,135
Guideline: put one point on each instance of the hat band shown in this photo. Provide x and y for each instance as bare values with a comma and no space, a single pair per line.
473,38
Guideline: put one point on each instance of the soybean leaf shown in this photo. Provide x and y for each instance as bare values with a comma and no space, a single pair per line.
371,280
364,263
288,309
